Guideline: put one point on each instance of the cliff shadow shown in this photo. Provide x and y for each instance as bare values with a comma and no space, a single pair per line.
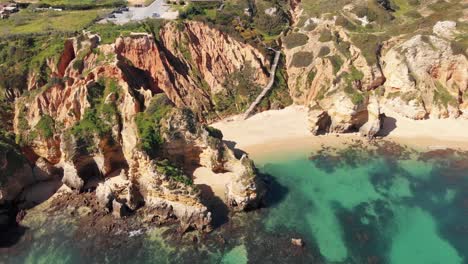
389,124
11,236
232,145
276,192
38,193
10,232
217,207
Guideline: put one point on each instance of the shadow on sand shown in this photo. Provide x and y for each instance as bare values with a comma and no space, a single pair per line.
389,124
232,145
217,207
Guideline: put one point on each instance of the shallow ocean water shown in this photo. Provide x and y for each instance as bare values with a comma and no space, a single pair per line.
350,206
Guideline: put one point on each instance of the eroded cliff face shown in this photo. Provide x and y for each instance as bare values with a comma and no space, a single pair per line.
425,78
329,74
115,113
416,76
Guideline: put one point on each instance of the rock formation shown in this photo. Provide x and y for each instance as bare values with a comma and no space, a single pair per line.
419,76
124,119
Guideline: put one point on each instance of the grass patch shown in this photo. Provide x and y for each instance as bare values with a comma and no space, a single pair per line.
324,51
442,96
149,124
302,59
325,36
82,4
172,172
337,63
46,127
99,118
295,40
26,21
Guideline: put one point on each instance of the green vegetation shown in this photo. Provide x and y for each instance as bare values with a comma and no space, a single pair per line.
19,56
82,4
99,118
214,132
271,25
337,63
368,44
240,91
110,32
279,96
302,59
351,78
295,40
46,127
29,22
198,10
310,77
149,124
324,51
172,172
251,27
325,36
442,96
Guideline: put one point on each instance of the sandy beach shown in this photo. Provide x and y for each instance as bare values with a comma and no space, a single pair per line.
287,130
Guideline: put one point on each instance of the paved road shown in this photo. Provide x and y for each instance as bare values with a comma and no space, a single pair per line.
158,9
267,87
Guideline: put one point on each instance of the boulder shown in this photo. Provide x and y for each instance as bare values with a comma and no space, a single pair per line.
297,242
119,209
104,195
71,177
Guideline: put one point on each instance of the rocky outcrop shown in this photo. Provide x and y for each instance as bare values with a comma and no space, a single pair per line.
106,97
425,78
337,84
15,172
418,77
190,63
196,145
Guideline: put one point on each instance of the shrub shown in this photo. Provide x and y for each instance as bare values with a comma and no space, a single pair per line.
271,25
310,77
344,22
311,26
295,40
78,65
214,132
336,62
413,14
442,96
325,36
172,172
324,51
149,124
46,126
192,11
302,59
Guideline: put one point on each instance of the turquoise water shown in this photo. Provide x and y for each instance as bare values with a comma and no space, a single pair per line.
383,205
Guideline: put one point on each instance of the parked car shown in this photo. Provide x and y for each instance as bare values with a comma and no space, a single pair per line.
156,15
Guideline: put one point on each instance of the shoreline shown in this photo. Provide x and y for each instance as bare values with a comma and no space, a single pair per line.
276,132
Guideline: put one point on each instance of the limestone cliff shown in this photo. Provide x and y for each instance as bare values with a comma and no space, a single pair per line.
330,75
124,117
418,76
